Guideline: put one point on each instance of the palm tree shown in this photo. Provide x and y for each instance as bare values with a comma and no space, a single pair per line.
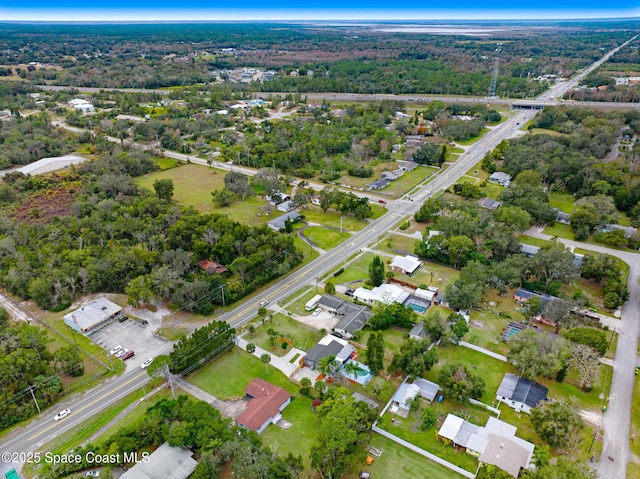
328,365
251,348
266,359
354,369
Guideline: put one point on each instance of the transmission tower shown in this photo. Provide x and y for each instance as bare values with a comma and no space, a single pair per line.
494,77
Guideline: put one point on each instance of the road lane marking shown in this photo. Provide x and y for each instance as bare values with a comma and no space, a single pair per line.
90,404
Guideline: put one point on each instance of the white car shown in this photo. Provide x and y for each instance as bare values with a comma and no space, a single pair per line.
115,350
264,303
316,312
62,414
147,363
121,353
92,474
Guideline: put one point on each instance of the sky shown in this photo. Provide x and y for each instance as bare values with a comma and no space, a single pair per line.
170,10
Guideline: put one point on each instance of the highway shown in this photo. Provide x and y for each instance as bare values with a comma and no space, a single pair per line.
43,429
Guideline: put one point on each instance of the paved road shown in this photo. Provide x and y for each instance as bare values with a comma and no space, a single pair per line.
42,430
615,451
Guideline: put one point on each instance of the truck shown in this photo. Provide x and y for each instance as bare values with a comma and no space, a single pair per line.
313,302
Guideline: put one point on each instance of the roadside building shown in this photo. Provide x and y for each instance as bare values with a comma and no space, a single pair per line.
405,264
92,316
166,462
266,402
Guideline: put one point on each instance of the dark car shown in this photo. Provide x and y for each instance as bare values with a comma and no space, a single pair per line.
127,355
122,318
350,292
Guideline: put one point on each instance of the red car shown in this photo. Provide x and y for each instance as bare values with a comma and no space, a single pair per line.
127,355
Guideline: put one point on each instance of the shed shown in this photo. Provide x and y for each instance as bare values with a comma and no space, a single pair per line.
428,390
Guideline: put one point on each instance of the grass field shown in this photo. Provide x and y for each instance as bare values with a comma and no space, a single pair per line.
398,462
325,238
397,242
393,338
228,375
562,201
313,214
301,436
303,337
533,241
560,230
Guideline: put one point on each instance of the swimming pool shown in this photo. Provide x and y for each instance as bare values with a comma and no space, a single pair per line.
417,308
362,375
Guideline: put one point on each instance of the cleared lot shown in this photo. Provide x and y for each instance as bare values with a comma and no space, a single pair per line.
133,336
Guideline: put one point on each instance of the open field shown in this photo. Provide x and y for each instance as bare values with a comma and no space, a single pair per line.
562,201
560,230
301,436
325,238
302,336
227,376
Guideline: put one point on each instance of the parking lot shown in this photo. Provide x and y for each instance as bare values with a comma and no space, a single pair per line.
134,336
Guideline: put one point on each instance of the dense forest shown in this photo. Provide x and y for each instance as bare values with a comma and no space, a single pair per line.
27,367
115,237
353,59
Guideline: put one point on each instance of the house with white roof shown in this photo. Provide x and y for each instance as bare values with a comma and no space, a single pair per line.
401,400
385,293
405,264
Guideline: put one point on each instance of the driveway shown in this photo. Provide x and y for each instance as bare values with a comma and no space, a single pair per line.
615,451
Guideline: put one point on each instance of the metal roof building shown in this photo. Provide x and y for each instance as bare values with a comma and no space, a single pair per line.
166,462
92,316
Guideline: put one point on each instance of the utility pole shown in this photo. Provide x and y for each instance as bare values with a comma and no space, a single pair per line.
222,289
169,378
34,399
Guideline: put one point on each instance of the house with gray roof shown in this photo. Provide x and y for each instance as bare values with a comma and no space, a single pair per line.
166,462
418,332
519,393
353,319
379,184
562,217
278,223
500,178
92,316
361,397
328,346
529,249
428,390
489,204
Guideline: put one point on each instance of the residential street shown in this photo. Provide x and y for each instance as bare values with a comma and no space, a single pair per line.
615,450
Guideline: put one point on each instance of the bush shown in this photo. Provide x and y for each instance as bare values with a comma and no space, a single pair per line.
429,419
339,272
405,225
329,288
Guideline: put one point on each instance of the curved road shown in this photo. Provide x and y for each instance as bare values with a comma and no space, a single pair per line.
616,421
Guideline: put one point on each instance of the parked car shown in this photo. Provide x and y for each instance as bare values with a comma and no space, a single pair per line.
384,202
147,363
127,355
350,292
92,474
62,414
121,353
115,350
122,318
317,312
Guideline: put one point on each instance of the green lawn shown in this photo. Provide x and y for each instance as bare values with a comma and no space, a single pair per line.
398,462
165,163
409,429
358,269
533,241
303,337
471,141
560,230
192,184
486,326
490,369
298,306
397,242
393,338
325,238
313,214
300,437
562,201
228,375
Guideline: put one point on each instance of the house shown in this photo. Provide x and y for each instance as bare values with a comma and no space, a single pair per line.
328,346
385,293
522,295
278,223
266,402
428,390
256,102
392,175
629,231
406,165
286,206
489,204
379,184
81,105
133,118
92,316
426,294
405,265
354,318
400,115
418,332
500,178
441,299
361,397
562,217
529,250
166,462
330,303
401,400
519,393
495,443
211,267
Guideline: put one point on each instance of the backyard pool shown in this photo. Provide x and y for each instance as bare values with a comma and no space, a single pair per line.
359,372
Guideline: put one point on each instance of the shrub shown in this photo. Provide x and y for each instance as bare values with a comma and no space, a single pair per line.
429,419
339,272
